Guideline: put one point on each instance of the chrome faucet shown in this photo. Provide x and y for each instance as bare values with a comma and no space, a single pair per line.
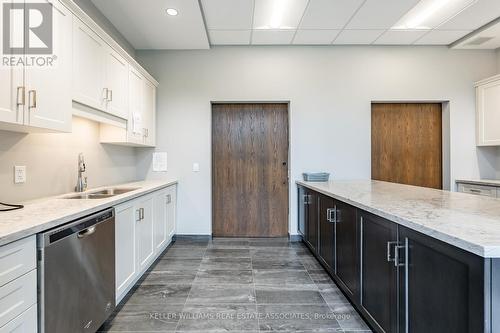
81,184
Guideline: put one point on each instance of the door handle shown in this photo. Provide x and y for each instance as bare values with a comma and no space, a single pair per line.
142,213
397,261
169,198
32,99
22,95
389,245
331,215
86,232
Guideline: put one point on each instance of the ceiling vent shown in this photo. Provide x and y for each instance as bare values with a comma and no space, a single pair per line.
479,41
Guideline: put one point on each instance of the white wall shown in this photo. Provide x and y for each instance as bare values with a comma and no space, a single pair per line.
52,160
330,90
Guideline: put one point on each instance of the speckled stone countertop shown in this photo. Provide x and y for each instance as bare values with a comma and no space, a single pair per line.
47,213
488,182
466,221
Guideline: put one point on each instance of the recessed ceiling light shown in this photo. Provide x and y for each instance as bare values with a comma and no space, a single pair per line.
429,14
172,11
278,14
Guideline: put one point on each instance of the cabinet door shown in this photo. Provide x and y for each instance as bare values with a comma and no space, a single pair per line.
379,294
48,89
160,220
346,249
135,124
149,112
302,211
171,210
117,84
125,250
312,219
144,234
488,114
11,82
442,286
327,231
26,322
88,67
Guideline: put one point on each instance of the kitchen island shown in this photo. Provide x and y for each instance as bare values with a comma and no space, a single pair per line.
410,259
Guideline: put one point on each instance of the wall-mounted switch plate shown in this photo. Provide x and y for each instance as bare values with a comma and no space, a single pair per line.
196,167
19,174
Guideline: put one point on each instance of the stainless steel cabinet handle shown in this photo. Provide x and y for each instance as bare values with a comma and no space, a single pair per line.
22,95
336,214
330,215
397,261
86,232
389,245
142,213
110,95
138,214
473,190
106,94
169,198
32,99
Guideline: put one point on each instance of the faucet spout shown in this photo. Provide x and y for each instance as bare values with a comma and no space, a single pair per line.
81,183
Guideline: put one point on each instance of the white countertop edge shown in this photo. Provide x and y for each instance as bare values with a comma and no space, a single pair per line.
485,252
109,202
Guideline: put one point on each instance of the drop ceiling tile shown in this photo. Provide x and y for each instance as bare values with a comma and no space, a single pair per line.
228,14
362,37
400,37
272,37
380,14
329,14
315,37
229,37
278,14
442,37
474,17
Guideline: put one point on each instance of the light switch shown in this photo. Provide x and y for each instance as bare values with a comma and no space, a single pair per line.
19,174
196,167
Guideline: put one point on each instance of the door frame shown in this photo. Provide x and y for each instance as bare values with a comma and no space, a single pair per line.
289,166
445,133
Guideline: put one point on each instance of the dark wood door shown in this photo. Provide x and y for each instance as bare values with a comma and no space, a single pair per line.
407,144
326,231
312,229
445,287
346,249
302,210
379,295
250,170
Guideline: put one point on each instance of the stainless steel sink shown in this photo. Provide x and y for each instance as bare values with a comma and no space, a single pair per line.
106,193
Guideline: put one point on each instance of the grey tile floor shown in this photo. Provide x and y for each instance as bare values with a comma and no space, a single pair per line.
236,285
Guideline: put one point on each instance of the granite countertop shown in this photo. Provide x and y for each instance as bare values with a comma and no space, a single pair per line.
46,213
469,222
487,182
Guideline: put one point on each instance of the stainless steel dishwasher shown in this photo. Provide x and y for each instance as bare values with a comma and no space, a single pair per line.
76,274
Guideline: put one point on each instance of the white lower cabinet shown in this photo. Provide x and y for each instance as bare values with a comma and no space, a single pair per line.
26,322
125,269
18,291
143,229
144,232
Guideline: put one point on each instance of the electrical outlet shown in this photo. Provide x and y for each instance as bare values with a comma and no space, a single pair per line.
19,174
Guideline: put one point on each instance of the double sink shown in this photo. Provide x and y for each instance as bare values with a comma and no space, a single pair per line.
102,194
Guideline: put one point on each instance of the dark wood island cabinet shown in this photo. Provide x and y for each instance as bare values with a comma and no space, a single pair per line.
399,280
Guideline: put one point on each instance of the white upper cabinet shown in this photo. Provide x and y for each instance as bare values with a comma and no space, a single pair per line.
488,112
48,90
135,125
116,84
149,112
89,64
37,97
